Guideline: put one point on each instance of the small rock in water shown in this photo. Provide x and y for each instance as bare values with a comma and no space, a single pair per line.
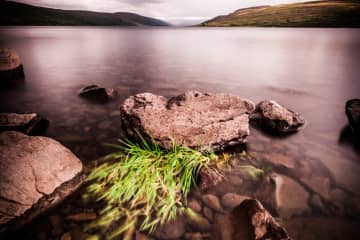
197,120
352,110
231,200
11,67
28,123
271,116
213,202
209,177
66,236
194,205
173,229
96,93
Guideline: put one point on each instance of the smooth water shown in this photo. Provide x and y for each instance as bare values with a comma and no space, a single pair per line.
312,71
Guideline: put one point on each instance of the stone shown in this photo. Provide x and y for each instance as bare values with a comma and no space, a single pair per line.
81,217
251,220
11,67
209,177
271,116
172,229
28,123
197,120
97,93
291,197
196,221
213,202
36,173
231,200
194,205
66,236
352,110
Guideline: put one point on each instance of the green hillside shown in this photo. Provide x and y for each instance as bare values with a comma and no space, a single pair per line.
332,13
14,13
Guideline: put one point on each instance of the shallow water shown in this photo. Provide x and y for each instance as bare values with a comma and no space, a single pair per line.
312,71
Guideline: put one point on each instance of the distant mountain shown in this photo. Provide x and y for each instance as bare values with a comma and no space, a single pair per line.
14,13
332,13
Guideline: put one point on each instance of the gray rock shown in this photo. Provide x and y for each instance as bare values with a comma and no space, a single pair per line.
28,123
96,93
271,116
197,120
36,173
11,67
352,110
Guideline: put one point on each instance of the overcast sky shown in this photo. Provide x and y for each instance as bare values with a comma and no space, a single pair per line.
173,11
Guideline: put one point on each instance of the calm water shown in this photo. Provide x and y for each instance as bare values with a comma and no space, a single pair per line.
313,71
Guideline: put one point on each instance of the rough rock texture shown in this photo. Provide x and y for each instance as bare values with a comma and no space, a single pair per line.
352,110
96,93
209,177
10,65
204,121
35,174
271,116
29,123
248,221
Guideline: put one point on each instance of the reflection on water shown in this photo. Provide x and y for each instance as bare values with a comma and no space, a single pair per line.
313,71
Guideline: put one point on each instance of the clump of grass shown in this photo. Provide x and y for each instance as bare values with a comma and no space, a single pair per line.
146,186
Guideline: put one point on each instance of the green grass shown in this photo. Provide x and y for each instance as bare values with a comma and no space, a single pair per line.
332,13
145,185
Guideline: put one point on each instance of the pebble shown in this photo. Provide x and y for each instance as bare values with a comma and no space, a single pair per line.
213,202
208,214
231,200
80,217
194,205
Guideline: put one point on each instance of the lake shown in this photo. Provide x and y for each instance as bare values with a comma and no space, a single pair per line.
312,71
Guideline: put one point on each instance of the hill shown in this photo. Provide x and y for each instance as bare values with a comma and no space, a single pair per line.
14,13
332,13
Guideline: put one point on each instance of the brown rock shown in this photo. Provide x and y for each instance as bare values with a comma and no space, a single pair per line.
36,173
208,214
194,205
66,236
273,117
280,160
213,202
28,123
209,177
231,200
194,119
11,67
96,93
172,229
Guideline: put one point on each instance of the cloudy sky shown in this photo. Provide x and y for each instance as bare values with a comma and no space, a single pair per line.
173,11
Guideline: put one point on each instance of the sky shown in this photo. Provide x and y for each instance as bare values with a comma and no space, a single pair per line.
177,12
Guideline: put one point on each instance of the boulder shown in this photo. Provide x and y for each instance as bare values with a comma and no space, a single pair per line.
36,173
271,116
197,120
96,93
11,67
28,123
352,110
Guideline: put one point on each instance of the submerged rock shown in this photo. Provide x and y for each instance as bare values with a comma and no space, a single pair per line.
11,67
352,111
96,93
197,120
209,177
271,116
28,123
248,221
36,173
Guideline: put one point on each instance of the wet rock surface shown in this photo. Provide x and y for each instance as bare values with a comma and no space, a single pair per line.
36,173
272,117
11,67
97,93
194,119
352,110
28,123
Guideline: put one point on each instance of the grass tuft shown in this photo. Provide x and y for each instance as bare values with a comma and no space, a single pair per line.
145,186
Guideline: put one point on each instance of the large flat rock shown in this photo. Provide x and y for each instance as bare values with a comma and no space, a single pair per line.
35,174
197,120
